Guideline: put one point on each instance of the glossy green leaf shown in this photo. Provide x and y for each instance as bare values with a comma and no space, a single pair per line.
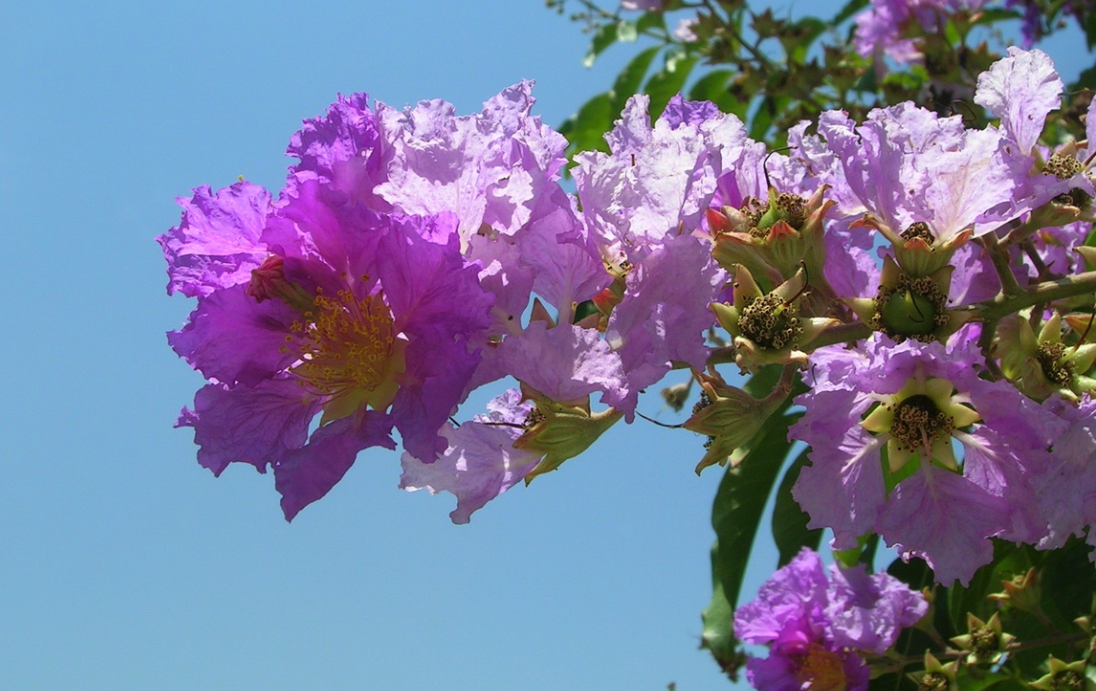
651,21
812,28
717,618
741,498
846,12
789,521
585,129
604,37
628,81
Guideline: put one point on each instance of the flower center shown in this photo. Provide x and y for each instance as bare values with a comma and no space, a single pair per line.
770,322
783,206
821,670
1062,167
1057,370
920,229
918,423
934,681
349,351
914,308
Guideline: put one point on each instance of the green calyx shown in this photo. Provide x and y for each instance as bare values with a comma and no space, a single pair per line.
789,208
908,313
560,431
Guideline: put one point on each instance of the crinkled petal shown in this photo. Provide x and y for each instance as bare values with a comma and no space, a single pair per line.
216,244
428,286
343,149
565,271
479,464
233,338
565,363
257,425
868,611
664,314
1021,89
488,168
438,368
842,489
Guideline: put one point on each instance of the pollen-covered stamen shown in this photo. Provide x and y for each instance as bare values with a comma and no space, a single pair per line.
349,351
1055,368
984,642
920,230
1062,167
783,206
821,670
919,423
534,417
934,681
770,323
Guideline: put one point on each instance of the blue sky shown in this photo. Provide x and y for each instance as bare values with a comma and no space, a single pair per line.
123,564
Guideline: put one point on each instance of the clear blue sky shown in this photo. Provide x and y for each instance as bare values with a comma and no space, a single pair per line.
123,564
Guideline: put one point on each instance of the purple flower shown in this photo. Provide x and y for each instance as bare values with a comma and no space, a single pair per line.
913,401
352,316
882,28
480,462
814,626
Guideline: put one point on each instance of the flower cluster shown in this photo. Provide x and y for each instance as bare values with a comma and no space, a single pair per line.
904,264
819,629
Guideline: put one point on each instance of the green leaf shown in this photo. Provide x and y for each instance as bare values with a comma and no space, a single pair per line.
651,21
789,521
849,10
741,499
992,15
812,28
585,129
664,84
763,118
628,81
761,383
718,619
604,37
1087,80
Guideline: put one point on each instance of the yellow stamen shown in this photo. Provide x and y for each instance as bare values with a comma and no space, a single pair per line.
350,352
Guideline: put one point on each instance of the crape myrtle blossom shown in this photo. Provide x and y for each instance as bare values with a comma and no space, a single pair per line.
339,301
643,204
1020,90
353,316
884,28
922,181
882,421
818,628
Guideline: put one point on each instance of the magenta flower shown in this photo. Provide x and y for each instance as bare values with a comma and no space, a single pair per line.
352,316
814,626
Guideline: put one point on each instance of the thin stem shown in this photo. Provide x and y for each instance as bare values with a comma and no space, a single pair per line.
999,257
1047,291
